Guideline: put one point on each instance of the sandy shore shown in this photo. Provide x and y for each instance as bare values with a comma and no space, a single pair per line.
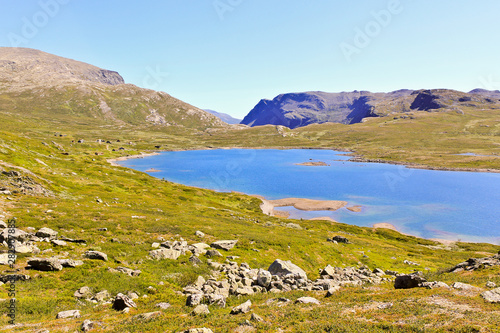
385,226
113,161
355,209
313,164
268,206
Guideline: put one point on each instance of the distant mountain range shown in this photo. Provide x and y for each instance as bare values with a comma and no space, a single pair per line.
224,117
43,85
300,109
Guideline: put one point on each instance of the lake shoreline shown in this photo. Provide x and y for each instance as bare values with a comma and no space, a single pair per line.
355,157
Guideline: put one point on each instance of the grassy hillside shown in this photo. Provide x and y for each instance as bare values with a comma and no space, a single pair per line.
84,193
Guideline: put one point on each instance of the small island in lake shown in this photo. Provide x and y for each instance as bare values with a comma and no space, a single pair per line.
313,164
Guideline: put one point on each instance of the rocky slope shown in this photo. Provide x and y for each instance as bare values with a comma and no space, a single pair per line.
53,88
301,109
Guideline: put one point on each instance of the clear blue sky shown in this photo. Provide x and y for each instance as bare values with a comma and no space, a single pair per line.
226,55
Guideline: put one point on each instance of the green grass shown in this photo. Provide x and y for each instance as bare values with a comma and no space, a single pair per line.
173,211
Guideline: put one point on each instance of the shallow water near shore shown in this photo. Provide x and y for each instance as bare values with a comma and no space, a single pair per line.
450,205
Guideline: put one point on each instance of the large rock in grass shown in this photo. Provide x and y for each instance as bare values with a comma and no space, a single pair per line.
492,296
46,233
18,235
224,244
199,330
242,308
164,253
96,255
408,281
282,268
122,302
45,264
68,314
307,300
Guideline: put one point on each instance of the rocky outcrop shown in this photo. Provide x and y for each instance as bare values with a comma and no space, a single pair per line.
492,296
121,302
473,264
68,314
45,264
96,255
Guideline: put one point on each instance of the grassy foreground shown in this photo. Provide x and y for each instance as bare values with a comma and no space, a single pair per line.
86,193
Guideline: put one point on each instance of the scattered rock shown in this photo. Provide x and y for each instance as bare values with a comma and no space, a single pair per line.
83,292
473,264
281,268
70,263
434,284
87,325
194,299
155,245
58,242
242,308
46,233
408,281
96,255
125,270
101,296
199,234
224,244
463,286
14,277
45,264
68,314
122,302
339,239
256,318
490,284
201,309
147,316
199,330
195,260
411,263
213,253
18,235
163,305
307,300
492,296
164,253
332,291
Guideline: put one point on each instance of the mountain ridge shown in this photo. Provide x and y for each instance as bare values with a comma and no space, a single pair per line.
315,107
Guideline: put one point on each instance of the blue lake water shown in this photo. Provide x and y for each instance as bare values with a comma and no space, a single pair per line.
427,203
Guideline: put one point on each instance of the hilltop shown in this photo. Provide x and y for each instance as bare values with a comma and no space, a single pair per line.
37,84
301,109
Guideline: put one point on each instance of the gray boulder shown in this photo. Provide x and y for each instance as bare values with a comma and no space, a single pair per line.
264,278
45,264
199,330
58,242
101,296
83,292
46,233
282,268
18,235
96,255
68,314
213,253
434,284
70,263
147,316
307,300
87,325
492,296
165,253
242,308
163,305
201,309
224,244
